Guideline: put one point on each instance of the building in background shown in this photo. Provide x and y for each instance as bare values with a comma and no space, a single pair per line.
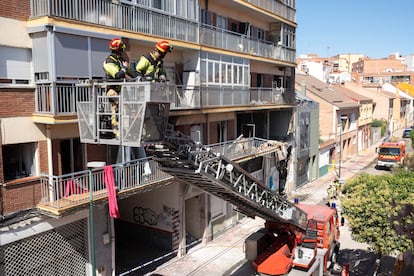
307,138
336,69
338,120
375,72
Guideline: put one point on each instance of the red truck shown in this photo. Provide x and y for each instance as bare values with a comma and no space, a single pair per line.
391,154
279,249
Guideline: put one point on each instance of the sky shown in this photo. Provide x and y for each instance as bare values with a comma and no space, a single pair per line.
374,28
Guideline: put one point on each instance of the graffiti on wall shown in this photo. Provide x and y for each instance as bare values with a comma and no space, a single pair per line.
165,219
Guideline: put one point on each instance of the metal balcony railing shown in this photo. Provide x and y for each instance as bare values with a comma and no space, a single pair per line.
65,192
151,21
221,38
276,7
60,99
60,193
242,148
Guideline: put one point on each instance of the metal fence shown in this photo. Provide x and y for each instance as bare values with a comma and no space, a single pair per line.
60,251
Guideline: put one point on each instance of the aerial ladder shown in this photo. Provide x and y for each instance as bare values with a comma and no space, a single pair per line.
290,238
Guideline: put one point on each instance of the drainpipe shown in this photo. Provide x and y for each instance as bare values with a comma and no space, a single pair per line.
50,163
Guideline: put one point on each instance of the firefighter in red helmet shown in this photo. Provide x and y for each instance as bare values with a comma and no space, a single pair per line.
151,65
115,66
116,69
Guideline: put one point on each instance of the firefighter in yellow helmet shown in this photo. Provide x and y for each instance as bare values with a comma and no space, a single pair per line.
116,69
151,65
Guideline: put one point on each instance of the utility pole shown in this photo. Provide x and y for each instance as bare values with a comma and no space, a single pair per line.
340,150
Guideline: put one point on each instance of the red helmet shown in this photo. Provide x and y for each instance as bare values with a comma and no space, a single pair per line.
163,46
116,44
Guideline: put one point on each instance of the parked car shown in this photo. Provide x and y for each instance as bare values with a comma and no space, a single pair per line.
406,133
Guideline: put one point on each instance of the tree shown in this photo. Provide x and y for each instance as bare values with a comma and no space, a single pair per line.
383,124
379,211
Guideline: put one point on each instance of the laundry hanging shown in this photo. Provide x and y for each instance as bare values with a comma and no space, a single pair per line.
110,187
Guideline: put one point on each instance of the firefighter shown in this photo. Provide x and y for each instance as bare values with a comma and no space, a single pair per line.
151,65
331,193
116,69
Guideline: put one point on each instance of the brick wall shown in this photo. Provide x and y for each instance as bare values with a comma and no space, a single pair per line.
43,162
15,9
1,161
20,102
18,196
213,133
96,152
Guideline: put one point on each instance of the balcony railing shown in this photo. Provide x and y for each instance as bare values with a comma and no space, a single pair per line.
243,148
220,38
63,193
60,193
153,22
276,7
60,99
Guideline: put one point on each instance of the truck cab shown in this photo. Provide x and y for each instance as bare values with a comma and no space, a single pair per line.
391,154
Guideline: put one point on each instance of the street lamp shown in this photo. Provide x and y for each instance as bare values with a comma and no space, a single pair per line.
91,166
340,145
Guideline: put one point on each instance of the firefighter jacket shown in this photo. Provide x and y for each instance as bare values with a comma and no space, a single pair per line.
149,66
115,69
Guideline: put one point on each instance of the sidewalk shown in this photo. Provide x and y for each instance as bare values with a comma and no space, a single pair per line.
225,254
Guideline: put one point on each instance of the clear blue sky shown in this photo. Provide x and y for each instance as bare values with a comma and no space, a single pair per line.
374,28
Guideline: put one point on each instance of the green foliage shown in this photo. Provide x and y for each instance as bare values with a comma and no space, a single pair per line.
412,138
379,210
380,123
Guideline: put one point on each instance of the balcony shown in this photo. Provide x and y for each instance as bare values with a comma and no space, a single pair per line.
220,38
61,99
66,193
70,192
276,7
152,21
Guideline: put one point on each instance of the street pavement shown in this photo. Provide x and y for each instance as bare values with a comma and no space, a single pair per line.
225,254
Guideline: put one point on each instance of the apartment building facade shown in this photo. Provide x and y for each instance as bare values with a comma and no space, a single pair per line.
234,61
338,119
373,73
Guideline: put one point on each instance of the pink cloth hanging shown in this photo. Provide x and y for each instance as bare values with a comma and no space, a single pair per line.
72,188
110,187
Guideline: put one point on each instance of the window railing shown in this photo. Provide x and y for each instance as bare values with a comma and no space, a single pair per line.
61,99
153,22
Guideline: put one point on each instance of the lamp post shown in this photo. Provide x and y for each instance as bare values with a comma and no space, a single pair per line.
340,145
91,165
340,150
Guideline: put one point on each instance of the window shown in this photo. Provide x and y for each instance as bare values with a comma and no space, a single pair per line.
15,65
207,17
19,160
224,70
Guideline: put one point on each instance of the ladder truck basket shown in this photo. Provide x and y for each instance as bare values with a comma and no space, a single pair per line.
138,114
